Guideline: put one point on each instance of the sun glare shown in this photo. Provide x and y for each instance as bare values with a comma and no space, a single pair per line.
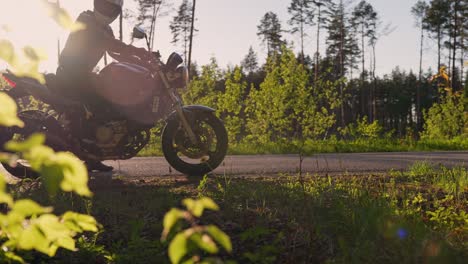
27,23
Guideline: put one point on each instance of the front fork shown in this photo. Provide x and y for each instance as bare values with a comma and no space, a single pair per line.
179,109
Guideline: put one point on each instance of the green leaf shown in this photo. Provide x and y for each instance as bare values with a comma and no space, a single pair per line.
8,110
178,248
193,207
38,155
170,219
61,17
80,222
32,238
7,51
28,207
196,207
34,54
12,256
51,227
208,203
67,243
5,197
61,168
2,183
75,174
204,242
26,145
220,237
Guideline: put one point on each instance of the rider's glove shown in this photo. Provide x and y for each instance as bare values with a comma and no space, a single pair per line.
142,54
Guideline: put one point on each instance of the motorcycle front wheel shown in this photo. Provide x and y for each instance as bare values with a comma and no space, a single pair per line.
200,158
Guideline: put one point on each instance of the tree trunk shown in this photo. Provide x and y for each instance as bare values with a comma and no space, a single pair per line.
374,88
418,87
318,46
454,31
343,122
191,34
363,106
439,40
302,43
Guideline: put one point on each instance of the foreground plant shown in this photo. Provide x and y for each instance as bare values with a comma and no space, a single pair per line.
26,225
187,244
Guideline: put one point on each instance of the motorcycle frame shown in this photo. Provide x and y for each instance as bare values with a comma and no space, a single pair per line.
177,102
178,105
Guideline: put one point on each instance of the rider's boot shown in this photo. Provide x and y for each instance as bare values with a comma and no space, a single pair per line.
98,166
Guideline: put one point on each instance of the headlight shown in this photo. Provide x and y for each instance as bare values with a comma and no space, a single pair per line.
179,78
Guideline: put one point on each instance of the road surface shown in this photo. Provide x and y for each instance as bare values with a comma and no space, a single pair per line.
357,163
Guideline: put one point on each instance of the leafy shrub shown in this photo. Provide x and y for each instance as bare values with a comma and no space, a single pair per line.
445,120
196,238
449,118
26,225
363,129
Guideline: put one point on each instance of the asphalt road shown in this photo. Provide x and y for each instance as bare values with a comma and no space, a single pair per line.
320,163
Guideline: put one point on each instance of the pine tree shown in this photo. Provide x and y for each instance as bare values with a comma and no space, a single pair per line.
250,62
302,17
322,7
364,19
149,12
342,48
270,31
436,20
181,26
419,11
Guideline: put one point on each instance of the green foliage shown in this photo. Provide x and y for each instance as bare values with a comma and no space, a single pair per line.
362,129
195,238
27,225
421,169
445,120
8,111
287,105
60,170
231,104
346,219
202,88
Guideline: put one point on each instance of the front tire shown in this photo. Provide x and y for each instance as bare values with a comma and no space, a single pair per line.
200,159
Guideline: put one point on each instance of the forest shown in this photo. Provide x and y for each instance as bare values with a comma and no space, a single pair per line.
336,95
300,103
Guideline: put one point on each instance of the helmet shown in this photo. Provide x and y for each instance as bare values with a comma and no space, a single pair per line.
106,11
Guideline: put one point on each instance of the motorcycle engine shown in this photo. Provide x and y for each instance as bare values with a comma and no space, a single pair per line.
109,135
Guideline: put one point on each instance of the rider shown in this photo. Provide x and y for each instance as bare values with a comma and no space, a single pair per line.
84,49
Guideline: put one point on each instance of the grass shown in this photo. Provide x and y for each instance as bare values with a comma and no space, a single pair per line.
415,216
311,147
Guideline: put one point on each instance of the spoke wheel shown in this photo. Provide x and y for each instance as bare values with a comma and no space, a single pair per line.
202,157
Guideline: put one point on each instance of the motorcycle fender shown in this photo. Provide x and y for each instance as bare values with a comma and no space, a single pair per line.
193,109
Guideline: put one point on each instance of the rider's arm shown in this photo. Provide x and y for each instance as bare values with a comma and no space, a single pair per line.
122,58
121,51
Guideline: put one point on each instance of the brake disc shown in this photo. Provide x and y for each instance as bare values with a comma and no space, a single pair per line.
204,138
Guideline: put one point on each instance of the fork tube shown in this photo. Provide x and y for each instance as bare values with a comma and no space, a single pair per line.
179,109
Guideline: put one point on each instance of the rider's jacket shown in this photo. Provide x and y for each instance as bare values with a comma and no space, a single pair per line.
85,48
82,52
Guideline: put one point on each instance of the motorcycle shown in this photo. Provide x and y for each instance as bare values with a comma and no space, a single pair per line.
194,140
